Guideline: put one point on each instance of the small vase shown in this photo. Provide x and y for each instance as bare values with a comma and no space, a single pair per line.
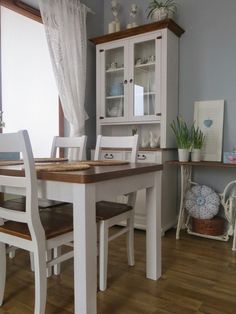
183,154
160,14
196,154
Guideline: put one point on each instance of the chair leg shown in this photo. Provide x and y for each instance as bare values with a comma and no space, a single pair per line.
57,267
48,258
234,237
40,281
130,240
2,271
32,261
103,254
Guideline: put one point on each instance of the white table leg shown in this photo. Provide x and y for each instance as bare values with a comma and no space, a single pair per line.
85,259
186,174
153,233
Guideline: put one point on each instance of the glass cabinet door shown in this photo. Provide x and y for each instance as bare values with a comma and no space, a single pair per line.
114,83
145,85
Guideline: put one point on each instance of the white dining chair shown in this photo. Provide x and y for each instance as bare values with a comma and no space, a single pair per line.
27,227
74,150
78,153
109,213
77,145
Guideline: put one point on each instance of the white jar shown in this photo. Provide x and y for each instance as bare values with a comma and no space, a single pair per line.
196,154
183,154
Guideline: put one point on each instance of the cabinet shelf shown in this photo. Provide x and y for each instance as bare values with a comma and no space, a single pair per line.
144,65
114,70
115,97
155,120
146,94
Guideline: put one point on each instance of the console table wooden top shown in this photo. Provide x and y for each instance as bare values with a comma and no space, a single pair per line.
201,163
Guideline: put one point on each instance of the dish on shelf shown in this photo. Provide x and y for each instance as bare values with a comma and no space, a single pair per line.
115,111
116,89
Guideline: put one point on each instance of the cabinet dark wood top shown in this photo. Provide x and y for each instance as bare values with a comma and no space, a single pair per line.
201,163
141,149
94,174
168,23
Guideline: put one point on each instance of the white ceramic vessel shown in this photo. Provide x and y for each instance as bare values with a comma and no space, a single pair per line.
196,154
183,154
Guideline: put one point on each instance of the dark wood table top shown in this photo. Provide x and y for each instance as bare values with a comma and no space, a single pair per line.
94,174
201,163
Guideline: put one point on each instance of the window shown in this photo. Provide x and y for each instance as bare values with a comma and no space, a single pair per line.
29,92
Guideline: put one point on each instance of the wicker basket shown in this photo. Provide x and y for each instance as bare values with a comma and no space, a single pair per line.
213,227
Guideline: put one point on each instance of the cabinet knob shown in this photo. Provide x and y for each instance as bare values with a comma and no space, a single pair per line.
142,157
158,114
125,81
108,156
131,80
101,118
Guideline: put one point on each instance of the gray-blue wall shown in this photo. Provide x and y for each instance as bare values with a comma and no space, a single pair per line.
207,64
94,28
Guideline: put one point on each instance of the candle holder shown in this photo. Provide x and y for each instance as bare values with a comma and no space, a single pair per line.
114,26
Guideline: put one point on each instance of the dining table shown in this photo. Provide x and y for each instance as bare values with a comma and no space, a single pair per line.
84,188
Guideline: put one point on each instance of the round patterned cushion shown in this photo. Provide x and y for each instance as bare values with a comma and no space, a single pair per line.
202,202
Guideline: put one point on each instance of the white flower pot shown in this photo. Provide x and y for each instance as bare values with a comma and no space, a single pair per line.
159,14
183,154
196,154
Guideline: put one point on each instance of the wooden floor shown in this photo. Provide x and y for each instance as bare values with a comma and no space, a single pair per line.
199,276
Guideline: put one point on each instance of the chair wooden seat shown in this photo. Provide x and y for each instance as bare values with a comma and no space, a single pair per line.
54,224
106,210
12,204
42,203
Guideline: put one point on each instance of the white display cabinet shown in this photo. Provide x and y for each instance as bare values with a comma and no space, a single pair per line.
137,91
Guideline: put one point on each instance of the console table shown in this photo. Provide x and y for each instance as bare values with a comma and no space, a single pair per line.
186,182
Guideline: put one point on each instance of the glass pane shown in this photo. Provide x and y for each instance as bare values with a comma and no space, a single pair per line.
144,78
29,92
114,77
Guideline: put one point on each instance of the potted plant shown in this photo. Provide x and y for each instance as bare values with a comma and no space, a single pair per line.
183,138
160,10
198,139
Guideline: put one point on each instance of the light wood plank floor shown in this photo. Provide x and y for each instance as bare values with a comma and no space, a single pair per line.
199,276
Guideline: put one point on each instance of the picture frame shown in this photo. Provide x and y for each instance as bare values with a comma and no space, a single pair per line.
209,117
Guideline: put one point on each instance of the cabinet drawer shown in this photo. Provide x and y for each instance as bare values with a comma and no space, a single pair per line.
152,157
112,155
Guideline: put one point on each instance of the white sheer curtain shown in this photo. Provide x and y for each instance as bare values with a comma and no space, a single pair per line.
65,25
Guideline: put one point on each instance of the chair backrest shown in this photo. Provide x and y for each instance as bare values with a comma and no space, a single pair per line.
110,142
78,144
19,142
